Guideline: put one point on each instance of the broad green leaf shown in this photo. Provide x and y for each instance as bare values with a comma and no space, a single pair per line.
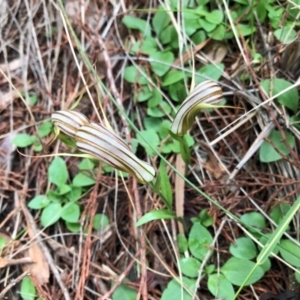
159,111
210,269
289,99
45,129
57,171
138,24
175,290
243,247
285,34
207,26
177,91
172,77
219,34
245,30
205,219
160,20
23,140
254,219
167,34
163,130
81,180
220,287
267,152
214,17
134,75
159,214
147,45
123,292
236,270
75,193
32,99
73,227
51,214
152,123
70,212
155,99
148,136
182,243
144,93
100,222
165,185
279,211
64,189
211,71
200,240
290,252
39,202
191,25
190,266
86,164
27,291
161,62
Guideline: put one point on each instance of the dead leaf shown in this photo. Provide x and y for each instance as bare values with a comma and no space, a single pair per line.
215,51
179,191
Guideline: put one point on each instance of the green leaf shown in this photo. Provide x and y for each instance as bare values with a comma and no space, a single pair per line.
100,222
245,30
267,152
161,62
160,111
27,291
214,17
73,227
160,20
165,185
205,219
23,140
2,243
57,171
220,287
138,24
134,74
182,243
207,26
218,34
151,137
64,189
290,252
45,128
39,202
289,99
152,123
172,77
81,180
175,290
86,164
32,100
236,271
211,71
75,193
200,240
254,219
279,211
146,46
209,269
285,34
189,266
244,247
51,214
155,99
159,214
70,212
144,93
123,292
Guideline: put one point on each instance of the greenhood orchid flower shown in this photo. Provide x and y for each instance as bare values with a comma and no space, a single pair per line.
205,95
69,121
100,143
105,145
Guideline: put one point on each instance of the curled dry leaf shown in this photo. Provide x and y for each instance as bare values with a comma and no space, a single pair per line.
105,145
205,95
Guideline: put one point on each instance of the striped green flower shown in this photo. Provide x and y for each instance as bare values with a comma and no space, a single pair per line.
103,144
69,121
205,95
